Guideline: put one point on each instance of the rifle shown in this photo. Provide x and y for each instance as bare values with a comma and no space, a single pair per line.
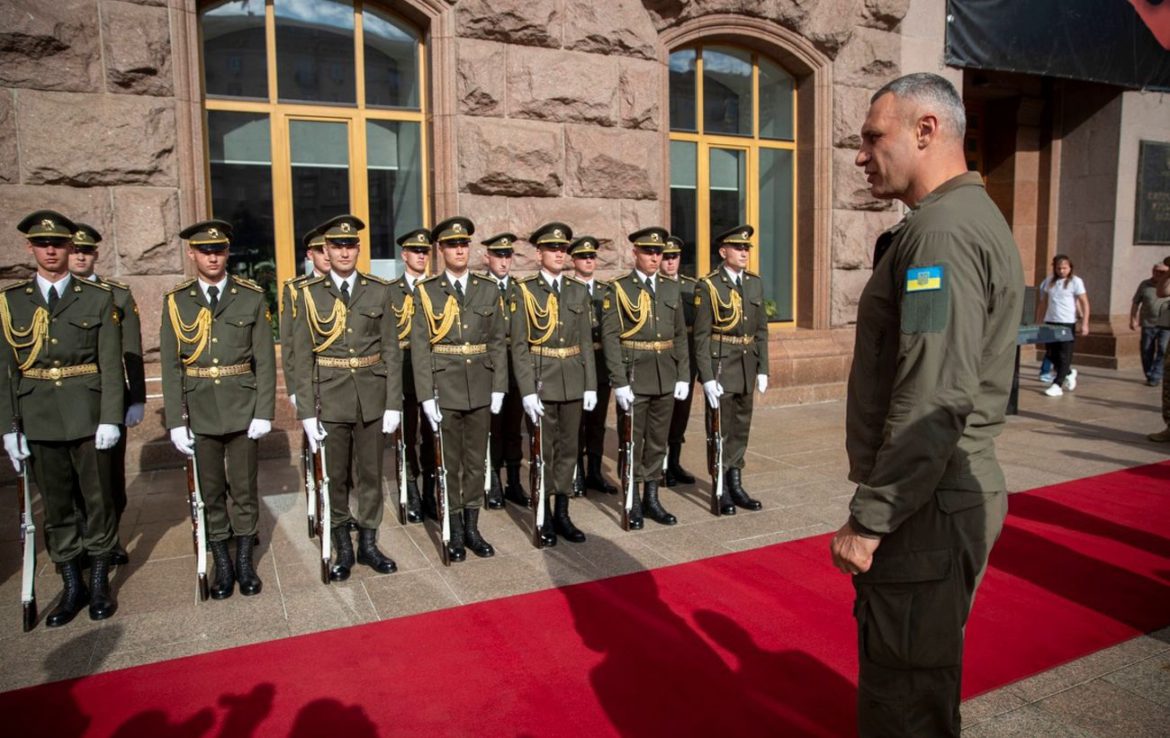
444,504
321,479
28,528
487,465
399,441
715,444
536,467
310,484
195,498
626,454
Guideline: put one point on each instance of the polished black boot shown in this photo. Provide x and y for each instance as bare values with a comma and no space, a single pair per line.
250,583
369,554
726,506
495,495
513,492
635,510
548,532
654,509
579,479
472,537
593,478
119,557
101,600
73,598
225,575
343,554
413,503
562,525
675,474
738,495
455,550
430,508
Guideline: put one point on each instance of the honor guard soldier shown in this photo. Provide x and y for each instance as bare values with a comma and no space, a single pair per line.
552,334
460,365
314,244
218,367
645,337
592,442
349,378
506,438
669,269
81,265
416,254
731,344
62,362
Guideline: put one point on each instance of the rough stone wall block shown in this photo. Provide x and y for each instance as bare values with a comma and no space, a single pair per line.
137,44
50,45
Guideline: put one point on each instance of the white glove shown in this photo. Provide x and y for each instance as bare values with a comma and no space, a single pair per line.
106,437
135,413
315,432
183,441
431,410
714,391
589,401
532,406
259,428
681,390
390,421
624,397
17,447
497,402
762,383
292,400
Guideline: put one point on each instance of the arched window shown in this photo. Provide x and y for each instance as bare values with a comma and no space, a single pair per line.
314,108
733,160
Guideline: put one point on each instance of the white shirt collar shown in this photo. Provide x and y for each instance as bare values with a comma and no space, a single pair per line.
643,277
461,280
732,274
221,284
350,280
554,282
412,280
43,285
503,280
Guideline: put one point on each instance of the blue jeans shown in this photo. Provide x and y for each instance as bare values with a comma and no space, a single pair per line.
1154,342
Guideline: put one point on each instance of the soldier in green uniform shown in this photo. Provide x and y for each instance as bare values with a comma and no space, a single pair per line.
669,269
731,341
552,332
62,364
932,369
216,357
81,265
349,381
592,439
645,336
461,359
506,438
289,294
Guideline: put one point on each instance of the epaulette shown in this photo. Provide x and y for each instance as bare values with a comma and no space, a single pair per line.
116,283
91,283
247,283
4,287
687,278
578,280
529,278
426,280
375,279
182,285
750,273
294,280
486,275
313,280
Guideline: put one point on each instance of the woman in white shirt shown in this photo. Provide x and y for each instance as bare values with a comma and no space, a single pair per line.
1063,302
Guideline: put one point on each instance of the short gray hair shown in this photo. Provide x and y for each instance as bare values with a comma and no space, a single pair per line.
933,92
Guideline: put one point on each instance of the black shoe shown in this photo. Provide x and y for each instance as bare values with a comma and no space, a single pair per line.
351,526
472,537
368,553
636,512
250,583
413,503
75,596
455,550
119,557
675,474
562,525
225,575
738,495
548,532
513,492
654,509
343,553
579,480
495,495
101,600
430,507
594,479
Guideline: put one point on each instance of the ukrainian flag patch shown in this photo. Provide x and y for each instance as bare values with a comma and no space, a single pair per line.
923,279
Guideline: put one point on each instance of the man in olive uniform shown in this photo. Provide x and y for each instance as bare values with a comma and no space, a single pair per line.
669,269
506,439
62,363
584,250
289,295
552,329
349,378
645,336
460,373
731,341
81,265
932,370
218,366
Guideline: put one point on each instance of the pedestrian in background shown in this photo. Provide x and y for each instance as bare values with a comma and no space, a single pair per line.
1146,313
1062,301
1163,291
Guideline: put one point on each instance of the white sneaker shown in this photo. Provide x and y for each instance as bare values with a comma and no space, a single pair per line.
1070,382
1054,391
1048,378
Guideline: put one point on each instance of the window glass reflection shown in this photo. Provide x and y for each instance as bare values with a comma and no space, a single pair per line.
394,170
775,232
682,90
314,51
728,193
727,91
684,204
319,152
391,61
776,96
234,60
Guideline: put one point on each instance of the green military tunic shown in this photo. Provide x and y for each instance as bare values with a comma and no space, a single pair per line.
593,422
135,372
64,377
219,366
507,440
682,408
289,307
403,303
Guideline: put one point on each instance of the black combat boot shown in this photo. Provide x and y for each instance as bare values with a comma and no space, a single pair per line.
593,477
455,550
343,553
579,479
635,509
75,596
119,557
726,506
101,600
513,492
413,503
250,583
495,495
430,507
675,474
369,554
225,575
738,495
654,509
548,532
562,525
472,537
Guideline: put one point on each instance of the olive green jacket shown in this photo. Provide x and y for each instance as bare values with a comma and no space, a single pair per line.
686,286
741,360
403,303
82,329
601,290
655,371
289,307
563,378
131,340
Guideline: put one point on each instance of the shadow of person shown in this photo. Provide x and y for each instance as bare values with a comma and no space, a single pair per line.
156,724
246,711
326,718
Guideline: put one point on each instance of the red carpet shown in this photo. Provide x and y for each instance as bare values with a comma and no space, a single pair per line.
755,643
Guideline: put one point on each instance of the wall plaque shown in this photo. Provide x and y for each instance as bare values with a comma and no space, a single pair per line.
1152,210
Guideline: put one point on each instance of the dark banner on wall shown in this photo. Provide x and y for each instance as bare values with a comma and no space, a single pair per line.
1120,42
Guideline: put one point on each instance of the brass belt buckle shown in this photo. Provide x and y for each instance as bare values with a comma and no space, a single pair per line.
213,372
55,373
353,362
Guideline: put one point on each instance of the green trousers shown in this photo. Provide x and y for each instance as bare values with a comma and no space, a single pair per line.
55,467
227,479
465,439
560,429
651,427
353,457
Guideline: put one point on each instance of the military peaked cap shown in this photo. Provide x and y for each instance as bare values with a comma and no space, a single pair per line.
741,234
453,229
208,235
652,238
313,240
46,225
674,245
343,228
551,234
583,246
86,237
501,242
419,238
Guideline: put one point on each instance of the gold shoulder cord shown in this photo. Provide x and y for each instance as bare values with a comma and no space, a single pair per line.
292,299
404,315
733,309
35,333
440,324
194,333
535,316
638,314
335,321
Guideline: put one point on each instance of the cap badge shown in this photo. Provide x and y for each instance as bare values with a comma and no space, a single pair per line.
345,227
213,232
744,234
653,236
421,238
557,232
457,228
47,223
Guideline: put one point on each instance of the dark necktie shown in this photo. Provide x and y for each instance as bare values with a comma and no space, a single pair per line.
503,290
556,287
53,297
459,291
345,293
213,297
739,285
650,286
